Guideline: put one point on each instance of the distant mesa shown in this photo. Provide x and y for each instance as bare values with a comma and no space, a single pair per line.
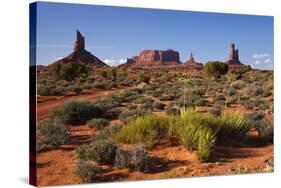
80,55
154,58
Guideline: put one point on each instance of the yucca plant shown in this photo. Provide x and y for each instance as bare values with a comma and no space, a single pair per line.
234,124
206,143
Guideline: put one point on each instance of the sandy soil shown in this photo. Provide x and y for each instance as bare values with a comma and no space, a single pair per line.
169,159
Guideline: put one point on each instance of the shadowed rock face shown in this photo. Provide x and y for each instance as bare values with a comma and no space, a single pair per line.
81,55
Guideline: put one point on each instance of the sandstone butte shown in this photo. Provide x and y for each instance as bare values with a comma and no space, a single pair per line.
147,59
81,55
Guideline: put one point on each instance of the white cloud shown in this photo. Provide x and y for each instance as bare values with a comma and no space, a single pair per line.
260,56
257,62
267,60
114,62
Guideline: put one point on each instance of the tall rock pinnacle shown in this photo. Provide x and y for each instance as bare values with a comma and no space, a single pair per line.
79,44
233,55
81,55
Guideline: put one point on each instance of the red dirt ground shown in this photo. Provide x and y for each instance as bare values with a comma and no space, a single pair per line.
169,158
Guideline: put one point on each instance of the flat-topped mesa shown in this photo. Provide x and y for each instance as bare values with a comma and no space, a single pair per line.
154,58
159,55
81,55
233,55
79,44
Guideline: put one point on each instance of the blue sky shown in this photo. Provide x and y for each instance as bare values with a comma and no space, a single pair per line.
115,33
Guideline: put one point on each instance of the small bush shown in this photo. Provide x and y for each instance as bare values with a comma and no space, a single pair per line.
234,124
215,111
99,85
265,129
87,171
132,106
98,123
159,105
166,98
77,112
135,158
101,151
146,129
172,111
52,132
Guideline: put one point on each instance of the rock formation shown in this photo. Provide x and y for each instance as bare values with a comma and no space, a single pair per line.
81,55
233,55
154,58
233,61
192,62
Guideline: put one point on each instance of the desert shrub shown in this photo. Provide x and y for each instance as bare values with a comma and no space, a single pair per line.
131,106
172,111
127,116
146,129
77,111
49,89
102,151
238,84
156,94
87,86
77,89
215,69
99,85
69,71
200,102
87,171
265,129
206,143
143,100
234,124
98,123
215,111
254,116
197,132
52,132
144,78
106,132
254,91
159,105
166,98
219,97
135,158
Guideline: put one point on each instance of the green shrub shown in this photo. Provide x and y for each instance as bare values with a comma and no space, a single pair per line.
206,143
52,132
87,171
265,129
215,69
78,111
159,105
98,123
99,85
146,129
135,158
69,71
132,106
166,98
215,111
144,78
234,124
101,151
172,111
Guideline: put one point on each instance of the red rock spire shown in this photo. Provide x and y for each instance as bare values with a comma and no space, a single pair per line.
79,44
